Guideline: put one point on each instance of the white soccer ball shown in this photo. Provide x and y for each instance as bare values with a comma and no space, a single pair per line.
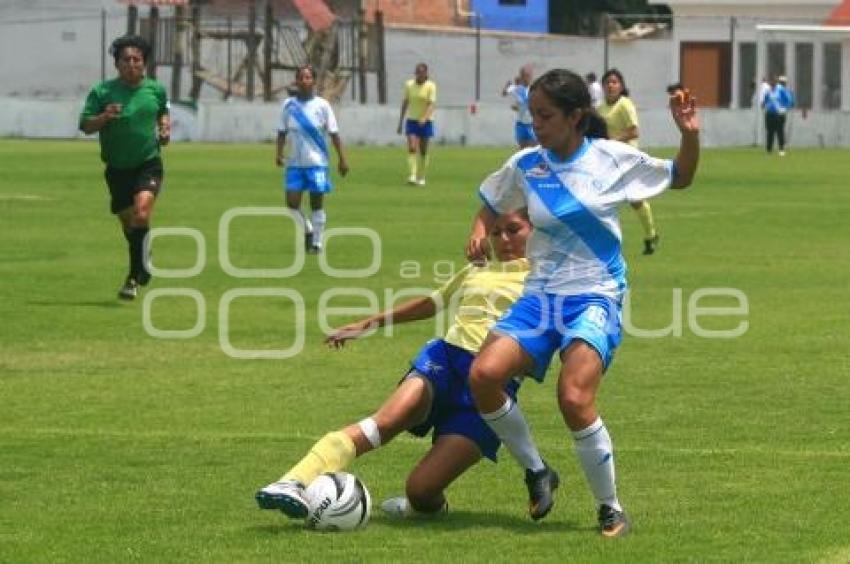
337,501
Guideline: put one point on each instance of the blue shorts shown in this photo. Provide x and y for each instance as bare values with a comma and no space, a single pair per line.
545,323
524,133
453,410
412,127
316,179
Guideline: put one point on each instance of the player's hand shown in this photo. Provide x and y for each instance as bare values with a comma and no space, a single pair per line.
399,129
342,167
684,110
478,250
337,338
422,122
164,133
278,160
112,111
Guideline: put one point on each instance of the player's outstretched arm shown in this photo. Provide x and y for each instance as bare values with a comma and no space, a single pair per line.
684,111
413,310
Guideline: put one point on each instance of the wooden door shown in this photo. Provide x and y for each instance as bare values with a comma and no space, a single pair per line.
706,68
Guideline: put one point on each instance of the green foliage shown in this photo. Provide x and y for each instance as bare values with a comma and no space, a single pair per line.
588,17
119,447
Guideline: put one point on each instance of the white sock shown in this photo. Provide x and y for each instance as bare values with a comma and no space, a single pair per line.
302,221
370,430
509,425
596,455
319,219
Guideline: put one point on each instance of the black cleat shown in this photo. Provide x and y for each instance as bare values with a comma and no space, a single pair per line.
541,489
649,245
314,250
308,240
129,290
143,277
613,523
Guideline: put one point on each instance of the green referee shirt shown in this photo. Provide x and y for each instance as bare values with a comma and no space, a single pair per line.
130,139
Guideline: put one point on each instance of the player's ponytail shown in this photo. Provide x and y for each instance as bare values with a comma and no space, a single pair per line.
593,125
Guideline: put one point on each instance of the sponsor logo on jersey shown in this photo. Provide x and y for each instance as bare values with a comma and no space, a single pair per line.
540,170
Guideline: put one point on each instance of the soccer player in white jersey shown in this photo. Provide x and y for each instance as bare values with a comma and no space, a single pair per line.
307,117
572,185
518,90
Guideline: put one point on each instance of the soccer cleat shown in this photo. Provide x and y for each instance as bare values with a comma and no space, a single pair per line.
411,180
649,245
129,290
420,182
399,507
541,489
314,250
781,153
143,277
286,495
308,240
613,523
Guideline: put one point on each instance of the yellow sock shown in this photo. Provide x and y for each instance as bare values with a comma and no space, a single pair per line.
411,164
644,213
423,164
331,453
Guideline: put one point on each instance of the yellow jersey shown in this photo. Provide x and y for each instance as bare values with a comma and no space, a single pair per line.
479,296
418,97
619,117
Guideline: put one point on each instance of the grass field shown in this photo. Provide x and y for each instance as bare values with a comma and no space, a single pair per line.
116,446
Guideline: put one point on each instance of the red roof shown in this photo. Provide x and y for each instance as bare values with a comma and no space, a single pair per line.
840,15
316,13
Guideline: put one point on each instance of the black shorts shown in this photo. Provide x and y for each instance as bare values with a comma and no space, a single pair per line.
124,184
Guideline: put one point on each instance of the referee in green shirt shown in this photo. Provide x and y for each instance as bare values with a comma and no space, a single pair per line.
130,113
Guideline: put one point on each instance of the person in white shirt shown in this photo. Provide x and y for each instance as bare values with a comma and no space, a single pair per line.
597,94
572,185
307,118
518,91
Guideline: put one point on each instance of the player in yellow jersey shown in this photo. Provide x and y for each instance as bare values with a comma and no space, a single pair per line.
433,394
622,120
420,96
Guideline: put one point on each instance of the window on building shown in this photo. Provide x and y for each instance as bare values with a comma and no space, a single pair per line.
775,59
748,82
804,58
832,76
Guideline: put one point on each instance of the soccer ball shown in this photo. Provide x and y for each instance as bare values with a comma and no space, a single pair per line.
337,501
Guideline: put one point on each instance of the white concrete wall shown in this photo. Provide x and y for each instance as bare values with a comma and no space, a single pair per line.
491,125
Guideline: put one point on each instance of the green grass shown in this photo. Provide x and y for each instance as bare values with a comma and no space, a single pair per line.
116,446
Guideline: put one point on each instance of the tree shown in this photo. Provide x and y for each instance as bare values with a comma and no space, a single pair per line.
585,17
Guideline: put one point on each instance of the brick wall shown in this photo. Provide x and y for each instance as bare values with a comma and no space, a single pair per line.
422,12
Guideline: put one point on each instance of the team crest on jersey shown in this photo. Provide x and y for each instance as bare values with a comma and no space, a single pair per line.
540,170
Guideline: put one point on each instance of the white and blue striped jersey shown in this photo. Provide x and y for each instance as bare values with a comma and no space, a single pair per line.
306,122
576,244
519,93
